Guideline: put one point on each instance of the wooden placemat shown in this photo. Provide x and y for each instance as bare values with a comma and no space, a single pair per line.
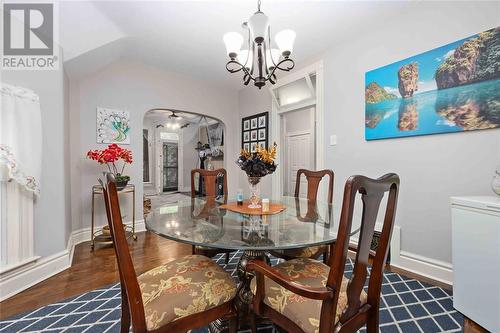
274,208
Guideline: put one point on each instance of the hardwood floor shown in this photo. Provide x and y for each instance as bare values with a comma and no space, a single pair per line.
91,270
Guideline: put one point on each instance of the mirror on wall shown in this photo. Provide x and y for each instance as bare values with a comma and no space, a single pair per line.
174,143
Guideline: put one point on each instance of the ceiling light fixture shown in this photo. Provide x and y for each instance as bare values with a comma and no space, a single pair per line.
260,60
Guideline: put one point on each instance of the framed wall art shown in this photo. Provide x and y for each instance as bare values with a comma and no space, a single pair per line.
255,131
452,88
113,126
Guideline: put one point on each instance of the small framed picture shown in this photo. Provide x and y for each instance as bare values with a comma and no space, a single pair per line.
262,121
253,147
246,124
262,134
262,144
246,146
255,129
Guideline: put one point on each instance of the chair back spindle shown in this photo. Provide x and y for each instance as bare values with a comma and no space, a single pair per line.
313,180
209,177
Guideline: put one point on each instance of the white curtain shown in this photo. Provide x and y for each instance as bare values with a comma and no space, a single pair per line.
20,137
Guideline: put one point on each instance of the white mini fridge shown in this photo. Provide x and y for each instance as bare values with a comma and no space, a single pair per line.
476,259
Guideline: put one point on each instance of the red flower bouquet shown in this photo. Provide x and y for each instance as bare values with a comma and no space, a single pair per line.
110,156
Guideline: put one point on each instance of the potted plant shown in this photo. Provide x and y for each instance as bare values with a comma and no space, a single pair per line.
257,165
110,156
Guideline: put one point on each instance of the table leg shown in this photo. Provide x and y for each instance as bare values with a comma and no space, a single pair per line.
244,294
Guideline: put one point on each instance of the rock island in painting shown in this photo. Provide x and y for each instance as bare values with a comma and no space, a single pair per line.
452,88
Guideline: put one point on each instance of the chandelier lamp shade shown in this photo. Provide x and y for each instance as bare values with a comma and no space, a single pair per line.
259,60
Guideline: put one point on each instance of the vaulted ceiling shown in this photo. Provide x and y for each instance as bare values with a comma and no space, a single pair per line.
186,36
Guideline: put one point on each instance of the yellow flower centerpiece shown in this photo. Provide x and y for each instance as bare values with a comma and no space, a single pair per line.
256,165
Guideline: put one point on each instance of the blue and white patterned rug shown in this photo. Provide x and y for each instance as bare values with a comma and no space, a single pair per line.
407,306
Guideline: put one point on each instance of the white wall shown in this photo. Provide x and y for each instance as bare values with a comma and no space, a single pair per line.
190,156
252,100
51,210
432,168
138,88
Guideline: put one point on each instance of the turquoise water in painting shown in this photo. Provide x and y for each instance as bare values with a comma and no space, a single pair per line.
469,107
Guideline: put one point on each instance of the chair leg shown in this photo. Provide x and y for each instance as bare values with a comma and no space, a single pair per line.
193,249
227,258
325,257
372,322
233,323
125,317
253,322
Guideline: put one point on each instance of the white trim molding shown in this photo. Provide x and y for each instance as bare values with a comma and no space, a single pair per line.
15,281
431,268
317,101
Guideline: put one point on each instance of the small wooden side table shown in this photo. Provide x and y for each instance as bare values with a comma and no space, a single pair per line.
100,237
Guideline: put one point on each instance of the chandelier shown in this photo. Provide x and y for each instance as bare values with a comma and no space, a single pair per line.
259,61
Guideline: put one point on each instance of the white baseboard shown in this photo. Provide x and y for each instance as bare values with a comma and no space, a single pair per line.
431,268
83,235
27,276
16,280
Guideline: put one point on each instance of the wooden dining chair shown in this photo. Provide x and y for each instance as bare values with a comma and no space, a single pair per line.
209,178
183,294
305,295
313,180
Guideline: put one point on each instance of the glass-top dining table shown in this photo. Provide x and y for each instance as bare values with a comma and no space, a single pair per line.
203,222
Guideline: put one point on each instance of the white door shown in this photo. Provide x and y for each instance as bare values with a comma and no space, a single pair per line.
298,157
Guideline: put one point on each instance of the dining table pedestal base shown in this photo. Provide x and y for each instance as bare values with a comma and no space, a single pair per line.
244,296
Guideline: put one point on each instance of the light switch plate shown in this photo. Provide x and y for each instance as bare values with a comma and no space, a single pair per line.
333,140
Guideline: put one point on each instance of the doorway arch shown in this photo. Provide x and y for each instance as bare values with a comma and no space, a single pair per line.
179,131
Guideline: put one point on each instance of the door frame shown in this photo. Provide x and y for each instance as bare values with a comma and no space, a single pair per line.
277,134
163,143
159,156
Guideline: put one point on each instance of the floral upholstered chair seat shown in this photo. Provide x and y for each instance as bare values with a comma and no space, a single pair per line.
305,252
303,311
182,287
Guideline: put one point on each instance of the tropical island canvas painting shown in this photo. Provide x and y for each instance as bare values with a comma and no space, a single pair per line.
452,88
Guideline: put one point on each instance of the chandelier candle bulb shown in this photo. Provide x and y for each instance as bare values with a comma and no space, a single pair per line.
233,41
265,205
258,24
285,40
